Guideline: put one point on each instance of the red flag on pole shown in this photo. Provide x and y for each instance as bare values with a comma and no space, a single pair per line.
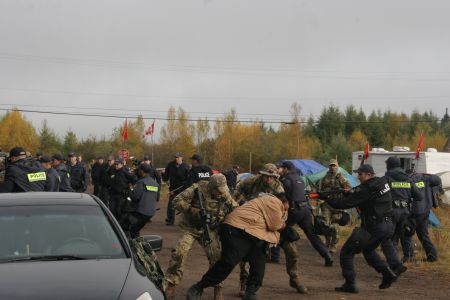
366,151
419,148
125,131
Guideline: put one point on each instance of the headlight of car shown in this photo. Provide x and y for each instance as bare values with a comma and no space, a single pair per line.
145,296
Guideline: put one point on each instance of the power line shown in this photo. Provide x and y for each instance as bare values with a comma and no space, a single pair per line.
256,98
227,70
217,120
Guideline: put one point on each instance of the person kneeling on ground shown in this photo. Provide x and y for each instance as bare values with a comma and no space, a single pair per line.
246,232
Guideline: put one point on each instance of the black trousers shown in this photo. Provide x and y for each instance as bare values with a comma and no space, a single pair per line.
97,189
237,246
422,233
389,246
170,210
302,217
378,233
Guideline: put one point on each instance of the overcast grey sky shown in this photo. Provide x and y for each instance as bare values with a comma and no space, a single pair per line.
256,56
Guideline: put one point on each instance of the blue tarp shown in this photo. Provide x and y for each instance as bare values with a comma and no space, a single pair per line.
434,221
306,166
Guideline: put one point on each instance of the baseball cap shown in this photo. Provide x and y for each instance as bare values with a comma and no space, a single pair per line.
119,160
288,165
196,157
45,159
393,162
178,154
366,168
71,154
145,168
146,157
57,157
17,151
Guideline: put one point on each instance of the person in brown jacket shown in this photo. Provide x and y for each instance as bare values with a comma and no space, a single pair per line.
246,232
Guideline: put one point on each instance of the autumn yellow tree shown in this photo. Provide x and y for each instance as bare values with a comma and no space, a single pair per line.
15,130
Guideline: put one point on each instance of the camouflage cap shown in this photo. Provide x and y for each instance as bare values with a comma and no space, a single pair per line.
270,170
219,182
333,162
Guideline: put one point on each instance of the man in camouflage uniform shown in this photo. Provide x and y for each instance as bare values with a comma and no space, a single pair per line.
267,181
216,200
332,180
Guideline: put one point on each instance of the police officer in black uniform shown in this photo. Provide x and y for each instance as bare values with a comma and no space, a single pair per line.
120,181
63,173
105,178
373,199
231,176
403,191
144,196
176,173
198,171
420,212
79,177
23,174
153,173
52,175
300,211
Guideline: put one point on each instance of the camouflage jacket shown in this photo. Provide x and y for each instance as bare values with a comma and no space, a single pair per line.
191,197
330,181
251,187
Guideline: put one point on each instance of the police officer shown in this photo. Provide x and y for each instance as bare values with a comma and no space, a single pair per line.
231,176
63,173
144,196
176,173
403,191
79,177
420,213
198,171
267,181
23,174
106,172
153,172
373,199
299,213
333,179
214,197
120,181
95,175
52,175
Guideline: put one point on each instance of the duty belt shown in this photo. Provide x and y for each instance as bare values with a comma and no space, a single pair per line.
401,204
372,220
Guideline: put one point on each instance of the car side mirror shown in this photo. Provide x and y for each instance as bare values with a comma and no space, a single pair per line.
155,241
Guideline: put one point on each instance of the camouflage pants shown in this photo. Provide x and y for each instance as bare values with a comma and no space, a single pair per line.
330,215
174,273
291,253
134,222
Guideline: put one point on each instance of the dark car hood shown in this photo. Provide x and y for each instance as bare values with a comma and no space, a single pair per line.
85,279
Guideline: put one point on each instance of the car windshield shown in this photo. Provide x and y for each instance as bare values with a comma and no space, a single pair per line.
57,231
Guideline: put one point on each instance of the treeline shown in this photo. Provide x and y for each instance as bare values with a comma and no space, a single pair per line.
228,140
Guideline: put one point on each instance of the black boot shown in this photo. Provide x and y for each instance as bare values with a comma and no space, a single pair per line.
348,287
399,270
388,278
194,292
328,260
250,293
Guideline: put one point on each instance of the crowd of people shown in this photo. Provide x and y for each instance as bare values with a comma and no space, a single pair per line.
250,221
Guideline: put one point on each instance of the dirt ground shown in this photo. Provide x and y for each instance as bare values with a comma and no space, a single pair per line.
416,283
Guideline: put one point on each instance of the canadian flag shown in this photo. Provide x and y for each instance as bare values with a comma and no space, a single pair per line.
150,130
